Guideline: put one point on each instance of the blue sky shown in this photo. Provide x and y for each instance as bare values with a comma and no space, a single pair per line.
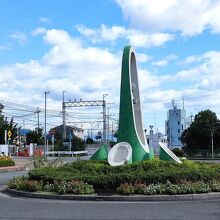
76,46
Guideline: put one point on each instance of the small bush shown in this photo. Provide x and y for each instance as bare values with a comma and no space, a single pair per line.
215,186
178,152
22,183
6,161
201,187
126,189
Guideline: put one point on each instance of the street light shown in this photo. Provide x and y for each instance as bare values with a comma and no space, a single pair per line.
45,122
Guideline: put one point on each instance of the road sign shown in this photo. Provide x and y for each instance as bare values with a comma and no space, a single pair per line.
9,133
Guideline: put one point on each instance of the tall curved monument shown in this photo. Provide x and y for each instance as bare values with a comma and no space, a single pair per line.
130,119
132,145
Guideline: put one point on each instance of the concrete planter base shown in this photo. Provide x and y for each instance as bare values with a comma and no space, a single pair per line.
115,197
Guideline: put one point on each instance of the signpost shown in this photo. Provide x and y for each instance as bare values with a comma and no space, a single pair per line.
9,136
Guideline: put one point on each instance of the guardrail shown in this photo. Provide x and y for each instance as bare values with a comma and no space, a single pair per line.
71,153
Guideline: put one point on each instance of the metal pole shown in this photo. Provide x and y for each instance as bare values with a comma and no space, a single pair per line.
64,117
45,122
212,145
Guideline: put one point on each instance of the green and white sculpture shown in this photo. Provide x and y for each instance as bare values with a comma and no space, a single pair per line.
130,119
166,154
132,145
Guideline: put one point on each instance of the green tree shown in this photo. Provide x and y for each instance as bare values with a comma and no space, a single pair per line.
7,125
35,136
78,144
89,141
198,135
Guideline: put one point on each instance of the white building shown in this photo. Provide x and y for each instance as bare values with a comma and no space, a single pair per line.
174,126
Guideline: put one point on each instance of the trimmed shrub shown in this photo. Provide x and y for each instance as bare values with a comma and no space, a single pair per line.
103,176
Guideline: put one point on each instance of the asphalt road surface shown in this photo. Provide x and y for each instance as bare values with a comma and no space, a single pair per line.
28,208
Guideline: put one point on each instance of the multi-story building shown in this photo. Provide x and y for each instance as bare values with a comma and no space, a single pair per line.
71,131
174,126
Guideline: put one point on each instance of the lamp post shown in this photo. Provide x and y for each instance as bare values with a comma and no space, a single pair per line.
45,122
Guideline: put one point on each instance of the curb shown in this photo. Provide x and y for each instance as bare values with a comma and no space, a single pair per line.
97,197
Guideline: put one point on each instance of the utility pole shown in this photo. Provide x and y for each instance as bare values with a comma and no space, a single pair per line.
108,130
45,123
38,121
64,117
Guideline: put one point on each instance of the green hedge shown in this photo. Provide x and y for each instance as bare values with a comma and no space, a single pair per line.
101,175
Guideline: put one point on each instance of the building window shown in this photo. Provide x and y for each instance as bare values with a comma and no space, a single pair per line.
179,138
182,127
178,130
178,122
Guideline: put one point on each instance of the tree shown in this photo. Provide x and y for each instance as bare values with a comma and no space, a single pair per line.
198,135
7,125
78,144
89,141
35,136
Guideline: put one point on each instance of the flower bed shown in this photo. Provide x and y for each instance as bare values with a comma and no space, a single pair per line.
60,187
6,161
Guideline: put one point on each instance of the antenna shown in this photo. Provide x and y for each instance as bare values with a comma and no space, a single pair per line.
173,103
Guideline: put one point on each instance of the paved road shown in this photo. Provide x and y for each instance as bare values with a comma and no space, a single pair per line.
27,208
6,176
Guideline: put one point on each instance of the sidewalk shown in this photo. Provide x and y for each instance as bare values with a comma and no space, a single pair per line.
20,164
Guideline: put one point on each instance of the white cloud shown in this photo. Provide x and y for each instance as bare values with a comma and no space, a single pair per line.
5,47
88,71
165,61
143,39
206,73
135,37
190,17
68,65
45,20
142,58
38,31
160,63
20,37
